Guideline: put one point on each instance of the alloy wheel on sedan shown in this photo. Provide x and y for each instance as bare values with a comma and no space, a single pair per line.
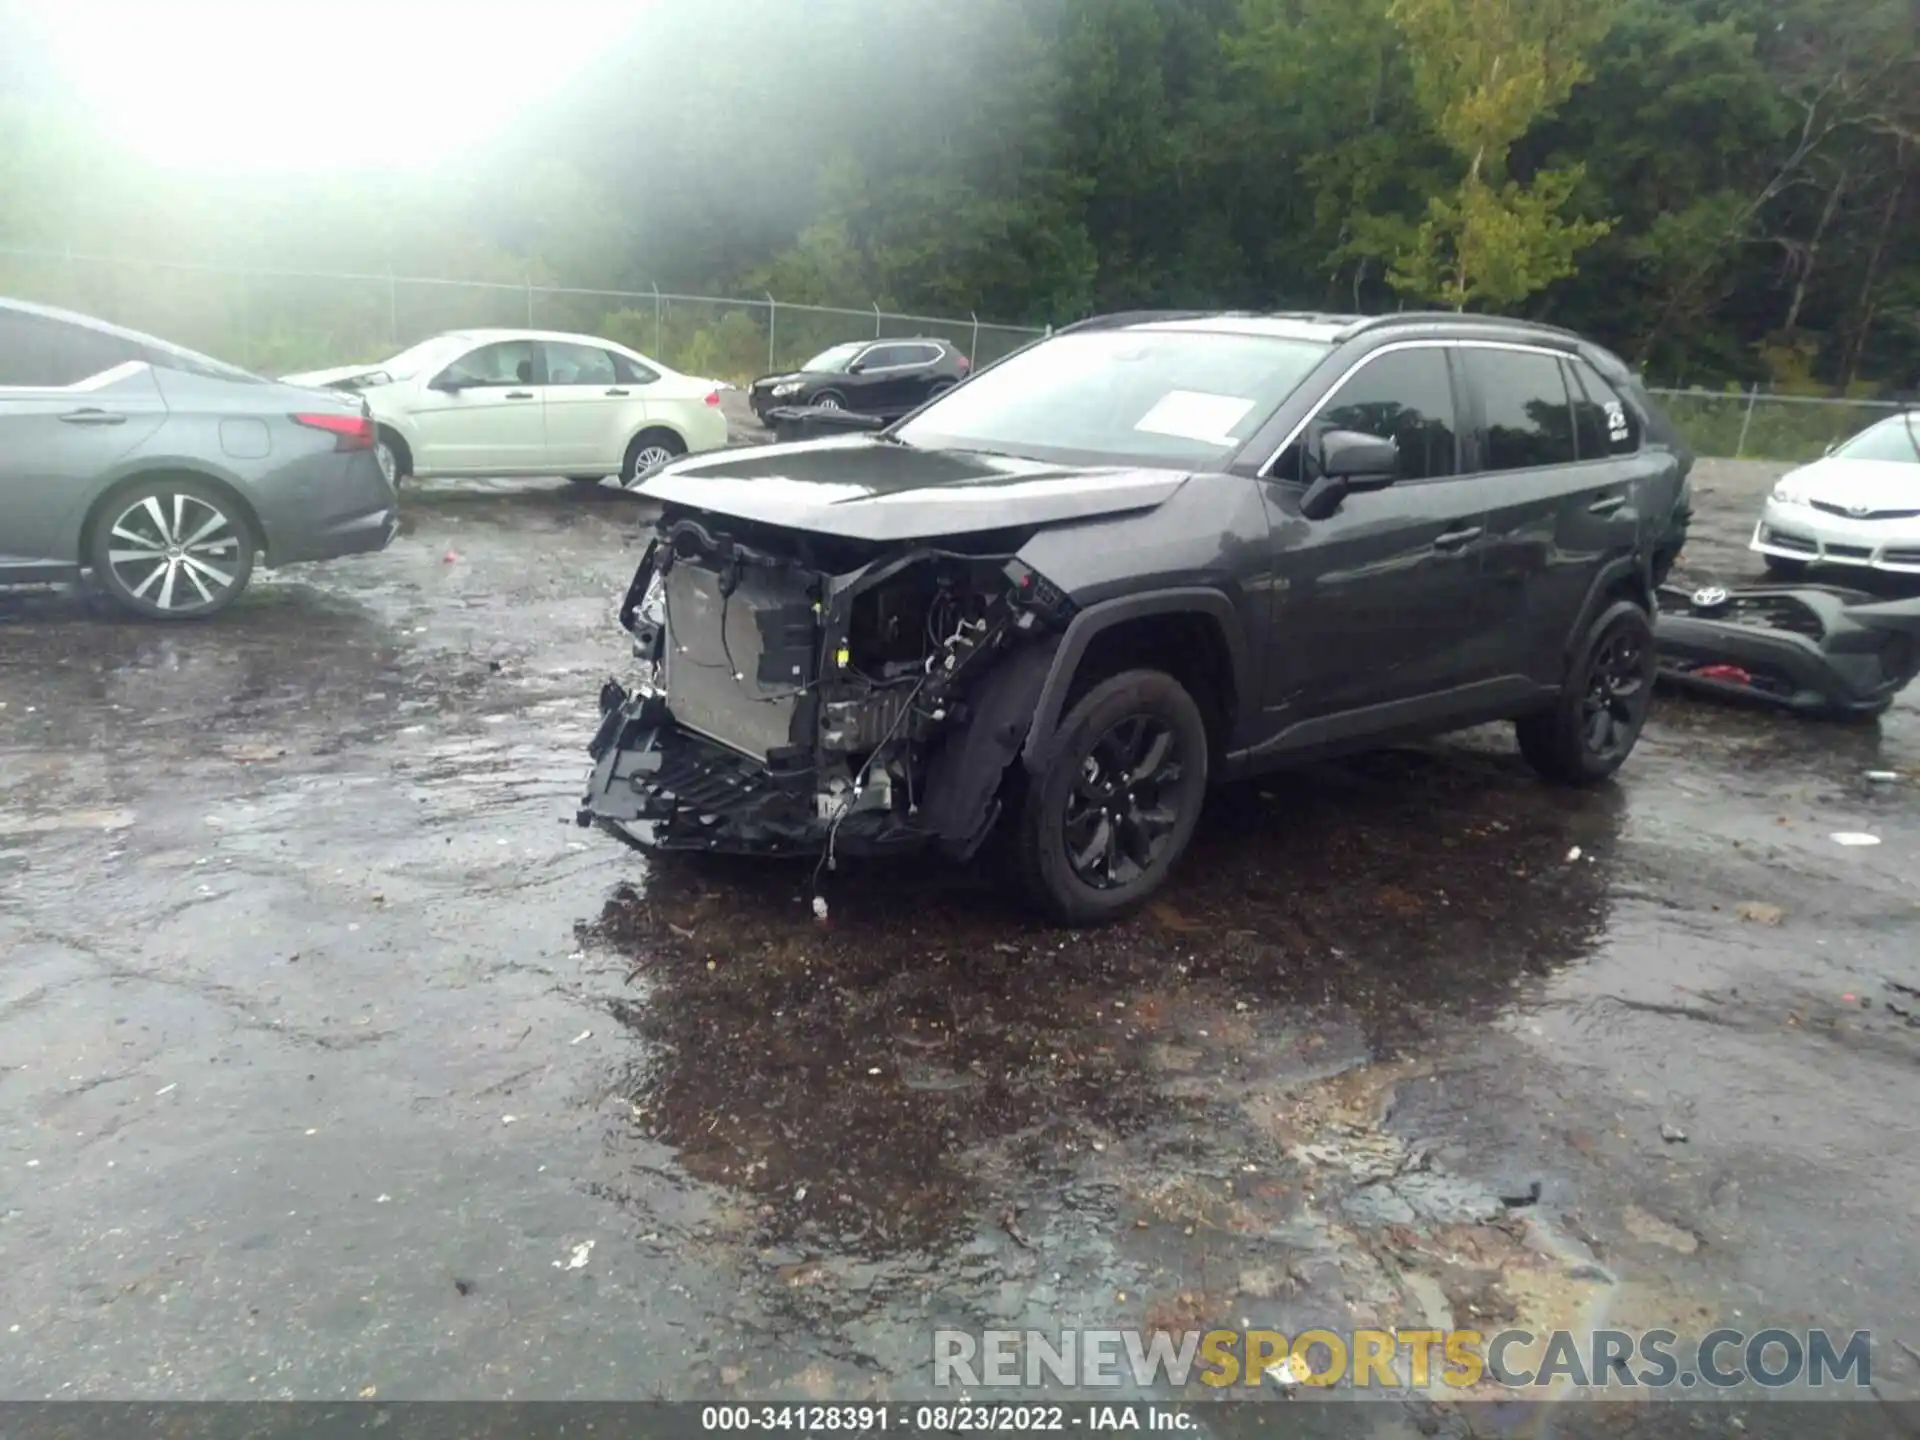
388,461
174,551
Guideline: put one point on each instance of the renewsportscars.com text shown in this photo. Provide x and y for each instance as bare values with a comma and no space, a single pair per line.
1388,1359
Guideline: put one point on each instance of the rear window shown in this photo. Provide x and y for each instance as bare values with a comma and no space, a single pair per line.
1605,423
1177,398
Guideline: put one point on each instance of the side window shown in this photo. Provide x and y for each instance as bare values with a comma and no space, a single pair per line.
509,362
918,355
1598,408
631,372
882,357
579,365
1405,396
43,353
1524,398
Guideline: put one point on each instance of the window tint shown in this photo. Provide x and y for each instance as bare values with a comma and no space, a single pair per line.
579,365
1524,398
632,372
508,363
916,354
1406,397
882,356
1600,413
36,351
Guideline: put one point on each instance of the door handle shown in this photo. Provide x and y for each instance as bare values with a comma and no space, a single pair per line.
619,392
92,417
1606,504
1458,539
519,394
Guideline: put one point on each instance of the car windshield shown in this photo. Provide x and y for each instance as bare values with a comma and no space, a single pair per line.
1897,439
1177,398
427,355
834,361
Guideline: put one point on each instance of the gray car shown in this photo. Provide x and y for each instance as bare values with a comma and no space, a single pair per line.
167,475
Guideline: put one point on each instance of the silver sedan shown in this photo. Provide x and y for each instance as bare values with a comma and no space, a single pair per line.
1857,506
167,475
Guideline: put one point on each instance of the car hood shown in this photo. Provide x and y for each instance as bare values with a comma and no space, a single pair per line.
1873,484
341,377
859,488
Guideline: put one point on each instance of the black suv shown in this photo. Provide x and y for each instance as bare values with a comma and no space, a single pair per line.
1149,553
888,378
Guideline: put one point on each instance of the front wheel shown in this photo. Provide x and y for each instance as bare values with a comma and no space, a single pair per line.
1593,727
828,400
1115,802
173,549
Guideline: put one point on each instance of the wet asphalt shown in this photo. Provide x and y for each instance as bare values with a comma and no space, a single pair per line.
335,1061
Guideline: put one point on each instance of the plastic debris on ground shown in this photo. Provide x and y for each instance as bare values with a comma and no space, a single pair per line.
1855,837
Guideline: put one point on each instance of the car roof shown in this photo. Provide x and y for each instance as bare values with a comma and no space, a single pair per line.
87,322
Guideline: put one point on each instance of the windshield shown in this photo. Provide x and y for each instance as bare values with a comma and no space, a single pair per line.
427,355
835,360
1176,398
1897,439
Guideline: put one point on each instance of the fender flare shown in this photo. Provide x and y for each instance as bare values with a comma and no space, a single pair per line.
1635,568
1095,619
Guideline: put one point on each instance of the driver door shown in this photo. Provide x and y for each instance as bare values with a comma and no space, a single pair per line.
493,421
1377,609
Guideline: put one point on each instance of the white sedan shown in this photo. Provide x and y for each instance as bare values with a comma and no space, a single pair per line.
1859,506
530,402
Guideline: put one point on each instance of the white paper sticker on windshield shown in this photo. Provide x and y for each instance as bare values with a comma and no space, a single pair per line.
1195,415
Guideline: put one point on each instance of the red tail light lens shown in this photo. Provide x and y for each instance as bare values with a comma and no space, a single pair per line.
350,432
965,364
713,397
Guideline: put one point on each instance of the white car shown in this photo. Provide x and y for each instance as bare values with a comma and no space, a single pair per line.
1860,505
529,402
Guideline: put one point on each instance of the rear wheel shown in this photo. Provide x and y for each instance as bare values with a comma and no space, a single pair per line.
173,549
1116,800
1596,722
649,451
1783,568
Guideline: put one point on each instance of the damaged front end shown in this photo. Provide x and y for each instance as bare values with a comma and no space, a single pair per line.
800,694
1810,648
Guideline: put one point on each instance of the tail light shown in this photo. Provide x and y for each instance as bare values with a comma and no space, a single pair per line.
350,432
965,364
713,397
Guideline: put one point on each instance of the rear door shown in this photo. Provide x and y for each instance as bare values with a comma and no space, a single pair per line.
869,390
494,424
912,377
1558,467
74,402
1378,603
590,409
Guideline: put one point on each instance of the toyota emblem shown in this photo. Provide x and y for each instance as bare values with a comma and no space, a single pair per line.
1709,598
1859,512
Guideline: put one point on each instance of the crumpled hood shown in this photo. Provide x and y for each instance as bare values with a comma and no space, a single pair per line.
860,488
1874,484
328,379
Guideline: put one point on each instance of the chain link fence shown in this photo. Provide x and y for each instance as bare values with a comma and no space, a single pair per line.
278,321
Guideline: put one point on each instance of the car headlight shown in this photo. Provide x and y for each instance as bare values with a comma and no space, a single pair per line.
1791,491
790,388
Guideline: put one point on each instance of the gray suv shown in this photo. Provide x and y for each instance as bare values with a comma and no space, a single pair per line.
168,475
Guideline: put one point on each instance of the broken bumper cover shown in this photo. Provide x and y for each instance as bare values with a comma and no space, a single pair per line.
666,788
1806,648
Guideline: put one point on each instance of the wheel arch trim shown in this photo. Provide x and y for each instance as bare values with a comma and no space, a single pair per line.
1096,619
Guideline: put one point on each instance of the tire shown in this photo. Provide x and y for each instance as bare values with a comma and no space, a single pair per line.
649,451
173,549
1784,569
1613,677
1078,866
828,400
395,460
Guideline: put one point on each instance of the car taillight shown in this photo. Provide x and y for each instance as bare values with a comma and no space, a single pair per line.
713,397
350,432
965,364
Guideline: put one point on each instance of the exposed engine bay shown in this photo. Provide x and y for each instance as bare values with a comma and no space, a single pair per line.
1811,648
800,693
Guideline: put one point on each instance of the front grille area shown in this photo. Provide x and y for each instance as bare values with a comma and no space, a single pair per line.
1785,541
723,680
1832,509
1851,552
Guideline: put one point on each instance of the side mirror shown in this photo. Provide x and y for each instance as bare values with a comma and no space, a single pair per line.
446,383
1350,463
858,367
